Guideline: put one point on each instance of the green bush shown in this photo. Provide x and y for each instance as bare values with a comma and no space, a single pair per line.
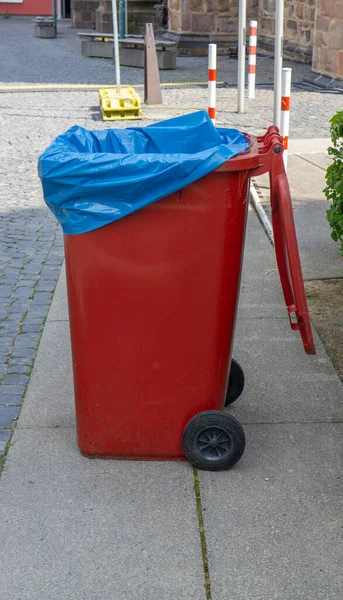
334,180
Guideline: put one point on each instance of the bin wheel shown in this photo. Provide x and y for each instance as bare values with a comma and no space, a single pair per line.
236,383
213,441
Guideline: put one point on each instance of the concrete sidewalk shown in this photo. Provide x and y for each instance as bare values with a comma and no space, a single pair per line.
307,163
79,529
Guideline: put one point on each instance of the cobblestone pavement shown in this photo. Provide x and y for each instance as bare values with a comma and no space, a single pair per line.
31,245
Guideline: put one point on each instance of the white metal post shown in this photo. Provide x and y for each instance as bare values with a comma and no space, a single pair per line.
212,81
278,60
241,53
116,43
285,106
252,59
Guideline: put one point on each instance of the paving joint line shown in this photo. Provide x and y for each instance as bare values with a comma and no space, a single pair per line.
310,161
202,533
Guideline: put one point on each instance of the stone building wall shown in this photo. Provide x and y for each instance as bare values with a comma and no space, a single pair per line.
209,20
83,13
328,39
299,19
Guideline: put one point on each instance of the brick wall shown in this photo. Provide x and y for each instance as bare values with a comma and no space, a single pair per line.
328,39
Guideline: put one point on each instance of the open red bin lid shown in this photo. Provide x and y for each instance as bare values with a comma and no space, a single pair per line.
265,155
285,240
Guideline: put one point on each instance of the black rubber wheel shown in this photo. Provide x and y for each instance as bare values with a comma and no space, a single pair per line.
213,441
236,383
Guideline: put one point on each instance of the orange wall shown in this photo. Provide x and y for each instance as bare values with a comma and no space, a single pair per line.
27,7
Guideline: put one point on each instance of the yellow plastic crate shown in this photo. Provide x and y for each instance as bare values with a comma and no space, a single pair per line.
123,106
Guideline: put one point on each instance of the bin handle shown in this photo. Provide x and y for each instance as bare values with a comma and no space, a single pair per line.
287,255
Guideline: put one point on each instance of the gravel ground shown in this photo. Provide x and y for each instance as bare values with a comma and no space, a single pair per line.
59,60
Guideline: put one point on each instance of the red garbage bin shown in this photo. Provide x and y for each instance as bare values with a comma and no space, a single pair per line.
152,304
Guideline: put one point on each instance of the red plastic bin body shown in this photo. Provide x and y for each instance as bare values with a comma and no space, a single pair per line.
152,305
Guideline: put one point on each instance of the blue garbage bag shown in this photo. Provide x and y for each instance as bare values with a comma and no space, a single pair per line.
92,178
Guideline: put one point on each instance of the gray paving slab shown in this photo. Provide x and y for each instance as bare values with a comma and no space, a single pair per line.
49,401
261,294
274,523
59,306
76,528
321,160
312,181
308,146
320,256
282,383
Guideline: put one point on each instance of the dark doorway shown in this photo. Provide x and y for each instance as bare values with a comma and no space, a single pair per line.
65,9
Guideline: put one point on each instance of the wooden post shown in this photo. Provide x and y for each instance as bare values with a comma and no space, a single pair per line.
152,85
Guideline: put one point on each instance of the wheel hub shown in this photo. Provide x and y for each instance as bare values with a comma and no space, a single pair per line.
213,443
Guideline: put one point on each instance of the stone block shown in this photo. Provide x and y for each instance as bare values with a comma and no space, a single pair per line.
328,8
175,5
336,34
328,61
322,24
309,13
299,11
196,6
315,59
234,12
227,25
103,18
289,11
252,13
97,49
186,22
203,23
269,6
222,6
267,26
134,57
83,13
339,10
44,28
88,17
306,36
292,25
175,22
340,63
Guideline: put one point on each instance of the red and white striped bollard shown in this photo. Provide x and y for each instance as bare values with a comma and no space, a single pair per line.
285,106
252,59
212,81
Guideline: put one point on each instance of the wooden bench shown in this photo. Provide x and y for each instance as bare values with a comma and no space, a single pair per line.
131,49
